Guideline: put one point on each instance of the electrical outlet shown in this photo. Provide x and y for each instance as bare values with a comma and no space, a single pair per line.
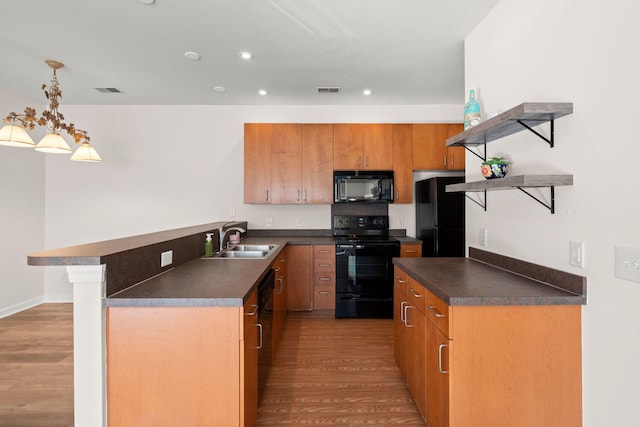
628,264
166,258
298,222
576,253
232,213
483,237
269,222
401,221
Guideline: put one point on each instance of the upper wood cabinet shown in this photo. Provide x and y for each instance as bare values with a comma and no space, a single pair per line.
430,151
288,163
363,147
402,163
317,163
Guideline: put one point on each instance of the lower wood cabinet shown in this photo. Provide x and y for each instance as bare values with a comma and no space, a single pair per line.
300,277
178,366
410,250
279,298
324,279
498,366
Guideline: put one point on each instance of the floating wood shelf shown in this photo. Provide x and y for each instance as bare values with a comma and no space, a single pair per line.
520,182
525,116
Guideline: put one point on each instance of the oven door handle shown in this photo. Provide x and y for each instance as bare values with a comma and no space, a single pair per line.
340,253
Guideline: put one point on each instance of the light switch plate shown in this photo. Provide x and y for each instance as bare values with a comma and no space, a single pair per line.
166,258
628,263
576,253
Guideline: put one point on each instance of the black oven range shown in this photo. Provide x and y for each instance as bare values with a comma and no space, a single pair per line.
364,268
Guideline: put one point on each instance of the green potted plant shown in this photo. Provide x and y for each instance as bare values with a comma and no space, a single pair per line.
495,167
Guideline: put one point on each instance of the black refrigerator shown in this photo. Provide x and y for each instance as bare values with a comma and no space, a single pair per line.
440,217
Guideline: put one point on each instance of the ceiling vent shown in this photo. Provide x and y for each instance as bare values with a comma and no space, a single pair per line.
108,90
329,89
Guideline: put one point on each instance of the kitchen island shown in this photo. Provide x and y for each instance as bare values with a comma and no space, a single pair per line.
490,340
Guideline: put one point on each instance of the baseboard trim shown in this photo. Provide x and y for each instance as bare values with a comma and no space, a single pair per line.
16,308
59,298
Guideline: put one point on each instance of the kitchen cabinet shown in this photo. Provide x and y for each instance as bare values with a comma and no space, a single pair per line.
279,298
400,300
498,365
416,323
363,146
410,250
324,279
300,275
430,151
250,361
403,163
288,163
169,365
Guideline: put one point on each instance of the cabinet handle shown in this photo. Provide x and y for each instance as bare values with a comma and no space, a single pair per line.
402,319
282,260
445,160
414,293
298,197
359,161
400,280
324,292
255,310
324,251
276,269
267,195
259,325
406,321
324,265
281,279
410,251
436,312
452,160
325,279
305,196
366,161
442,371
397,196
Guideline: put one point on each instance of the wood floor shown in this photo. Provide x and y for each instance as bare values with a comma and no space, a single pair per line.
327,372
36,367
337,372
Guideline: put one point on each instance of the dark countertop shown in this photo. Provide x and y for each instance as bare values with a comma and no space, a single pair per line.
468,281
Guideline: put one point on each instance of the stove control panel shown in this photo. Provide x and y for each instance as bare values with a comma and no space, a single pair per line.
366,222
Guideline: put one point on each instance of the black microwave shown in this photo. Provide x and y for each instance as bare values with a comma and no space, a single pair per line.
362,186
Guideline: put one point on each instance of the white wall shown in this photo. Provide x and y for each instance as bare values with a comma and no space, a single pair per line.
171,166
21,218
585,53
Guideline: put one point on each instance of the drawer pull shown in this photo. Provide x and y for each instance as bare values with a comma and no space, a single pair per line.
436,312
410,251
324,292
324,265
402,319
324,279
255,310
281,288
324,251
442,371
415,294
259,325
276,269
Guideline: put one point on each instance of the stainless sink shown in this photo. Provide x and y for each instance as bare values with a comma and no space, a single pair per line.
246,252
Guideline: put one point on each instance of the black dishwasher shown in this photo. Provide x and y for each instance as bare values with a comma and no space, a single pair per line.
265,321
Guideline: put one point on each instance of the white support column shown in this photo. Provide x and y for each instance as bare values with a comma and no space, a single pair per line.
89,345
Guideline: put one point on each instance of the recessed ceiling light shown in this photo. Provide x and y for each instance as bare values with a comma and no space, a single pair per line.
246,55
220,88
147,2
262,92
367,92
194,56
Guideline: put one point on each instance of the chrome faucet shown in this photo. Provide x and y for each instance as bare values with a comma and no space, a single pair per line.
223,233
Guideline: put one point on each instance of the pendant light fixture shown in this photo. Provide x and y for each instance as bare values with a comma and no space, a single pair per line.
14,133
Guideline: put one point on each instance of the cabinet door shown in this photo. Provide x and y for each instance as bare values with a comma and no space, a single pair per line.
279,299
416,346
429,146
403,163
455,155
250,356
347,146
286,163
437,376
400,349
299,273
317,163
377,146
257,162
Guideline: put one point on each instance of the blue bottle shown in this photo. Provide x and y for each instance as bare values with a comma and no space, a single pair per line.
471,111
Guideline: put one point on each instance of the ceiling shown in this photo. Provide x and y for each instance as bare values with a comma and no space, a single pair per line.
405,51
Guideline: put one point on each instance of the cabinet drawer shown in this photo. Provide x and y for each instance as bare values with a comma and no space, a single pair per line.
324,297
324,278
417,294
250,310
411,251
324,251
324,265
400,281
438,312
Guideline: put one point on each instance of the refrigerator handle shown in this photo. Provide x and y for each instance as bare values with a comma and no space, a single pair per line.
436,242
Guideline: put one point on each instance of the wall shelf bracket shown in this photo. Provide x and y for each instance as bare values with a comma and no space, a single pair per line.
544,138
550,206
482,204
482,156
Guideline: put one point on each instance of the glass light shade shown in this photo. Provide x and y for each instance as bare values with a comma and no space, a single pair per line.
15,136
53,143
86,153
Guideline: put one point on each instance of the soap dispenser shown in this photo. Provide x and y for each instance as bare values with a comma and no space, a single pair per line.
208,246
